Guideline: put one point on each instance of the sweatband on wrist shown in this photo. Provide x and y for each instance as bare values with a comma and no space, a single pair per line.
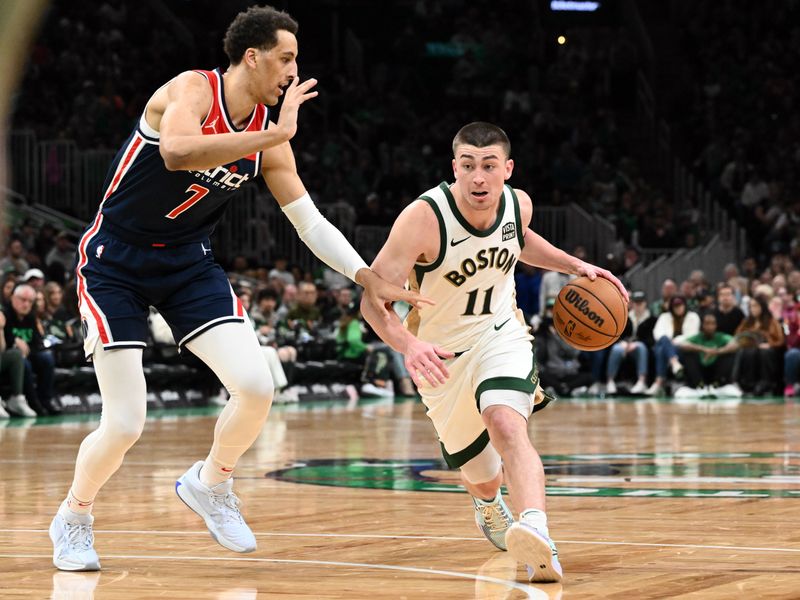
322,238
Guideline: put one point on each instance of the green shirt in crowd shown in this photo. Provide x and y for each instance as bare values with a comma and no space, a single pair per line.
718,341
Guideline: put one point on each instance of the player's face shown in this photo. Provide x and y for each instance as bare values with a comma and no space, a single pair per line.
275,68
480,174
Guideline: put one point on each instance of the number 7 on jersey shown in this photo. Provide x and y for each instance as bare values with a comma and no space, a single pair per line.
198,191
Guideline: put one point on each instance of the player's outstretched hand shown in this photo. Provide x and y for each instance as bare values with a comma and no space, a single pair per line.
593,272
379,292
293,97
424,362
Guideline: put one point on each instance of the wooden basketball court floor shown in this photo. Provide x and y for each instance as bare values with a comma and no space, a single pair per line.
647,499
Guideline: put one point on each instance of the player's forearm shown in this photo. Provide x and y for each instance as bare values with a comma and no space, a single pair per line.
324,240
538,252
392,331
202,152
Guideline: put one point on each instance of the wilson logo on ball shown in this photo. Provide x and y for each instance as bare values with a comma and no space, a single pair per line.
580,303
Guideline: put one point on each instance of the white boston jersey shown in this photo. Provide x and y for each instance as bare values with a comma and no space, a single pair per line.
472,278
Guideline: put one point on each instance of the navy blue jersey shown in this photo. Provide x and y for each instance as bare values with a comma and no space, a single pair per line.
146,204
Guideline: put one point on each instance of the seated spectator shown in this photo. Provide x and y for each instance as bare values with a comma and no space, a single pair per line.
728,314
791,360
633,343
280,271
24,331
760,340
382,365
55,318
708,355
9,283
34,278
342,299
63,253
12,365
528,279
668,289
671,327
559,365
14,259
264,315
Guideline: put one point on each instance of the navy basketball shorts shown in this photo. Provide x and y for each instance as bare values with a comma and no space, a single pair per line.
118,282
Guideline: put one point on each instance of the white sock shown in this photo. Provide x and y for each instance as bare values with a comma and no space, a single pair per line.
536,519
212,473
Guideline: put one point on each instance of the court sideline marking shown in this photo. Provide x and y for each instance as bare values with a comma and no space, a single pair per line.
424,537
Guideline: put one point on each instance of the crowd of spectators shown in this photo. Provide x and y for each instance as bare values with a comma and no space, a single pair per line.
737,333
735,119
299,318
380,134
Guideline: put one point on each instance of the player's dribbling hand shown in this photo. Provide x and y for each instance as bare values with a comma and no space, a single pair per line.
293,97
424,363
593,272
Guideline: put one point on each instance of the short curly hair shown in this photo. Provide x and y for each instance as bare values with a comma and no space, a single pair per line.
257,27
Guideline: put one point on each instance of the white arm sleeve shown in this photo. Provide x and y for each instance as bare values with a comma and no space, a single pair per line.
322,238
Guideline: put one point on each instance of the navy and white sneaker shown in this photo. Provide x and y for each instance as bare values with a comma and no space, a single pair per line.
73,542
493,519
536,551
219,508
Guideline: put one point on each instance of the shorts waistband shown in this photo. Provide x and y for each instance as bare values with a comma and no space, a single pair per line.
143,242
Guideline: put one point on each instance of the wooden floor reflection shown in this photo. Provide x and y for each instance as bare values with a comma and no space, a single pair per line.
647,499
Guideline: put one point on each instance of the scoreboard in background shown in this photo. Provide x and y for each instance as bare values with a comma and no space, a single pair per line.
574,6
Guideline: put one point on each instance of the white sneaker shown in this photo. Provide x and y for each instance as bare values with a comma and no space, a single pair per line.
685,392
370,389
536,551
655,389
73,543
17,405
611,387
219,508
287,396
596,389
639,388
3,413
730,390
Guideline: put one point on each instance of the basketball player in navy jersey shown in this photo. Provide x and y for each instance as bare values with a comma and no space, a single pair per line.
202,136
472,354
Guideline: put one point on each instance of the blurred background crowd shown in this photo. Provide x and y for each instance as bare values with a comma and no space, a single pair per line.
593,103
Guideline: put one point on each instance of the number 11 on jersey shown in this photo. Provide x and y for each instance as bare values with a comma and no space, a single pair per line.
472,298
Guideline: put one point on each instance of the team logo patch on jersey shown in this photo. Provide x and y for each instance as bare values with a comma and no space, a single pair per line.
509,231
99,252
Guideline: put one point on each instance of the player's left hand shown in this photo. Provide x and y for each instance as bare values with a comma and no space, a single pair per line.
593,272
380,293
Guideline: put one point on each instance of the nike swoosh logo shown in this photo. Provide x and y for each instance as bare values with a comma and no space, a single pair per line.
456,243
499,327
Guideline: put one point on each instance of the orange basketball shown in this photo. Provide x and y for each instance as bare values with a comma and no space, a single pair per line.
590,315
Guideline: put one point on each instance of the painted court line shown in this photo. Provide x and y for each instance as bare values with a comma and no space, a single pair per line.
530,592
422,537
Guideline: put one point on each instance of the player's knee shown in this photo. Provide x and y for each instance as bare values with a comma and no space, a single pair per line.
257,390
505,425
126,431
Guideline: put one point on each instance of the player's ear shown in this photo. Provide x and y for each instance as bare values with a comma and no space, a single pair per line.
454,167
250,56
509,168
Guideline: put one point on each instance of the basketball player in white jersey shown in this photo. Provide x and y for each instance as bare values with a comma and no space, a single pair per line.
202,136
471,355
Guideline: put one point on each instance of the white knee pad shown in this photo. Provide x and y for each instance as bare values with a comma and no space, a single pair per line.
484,467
